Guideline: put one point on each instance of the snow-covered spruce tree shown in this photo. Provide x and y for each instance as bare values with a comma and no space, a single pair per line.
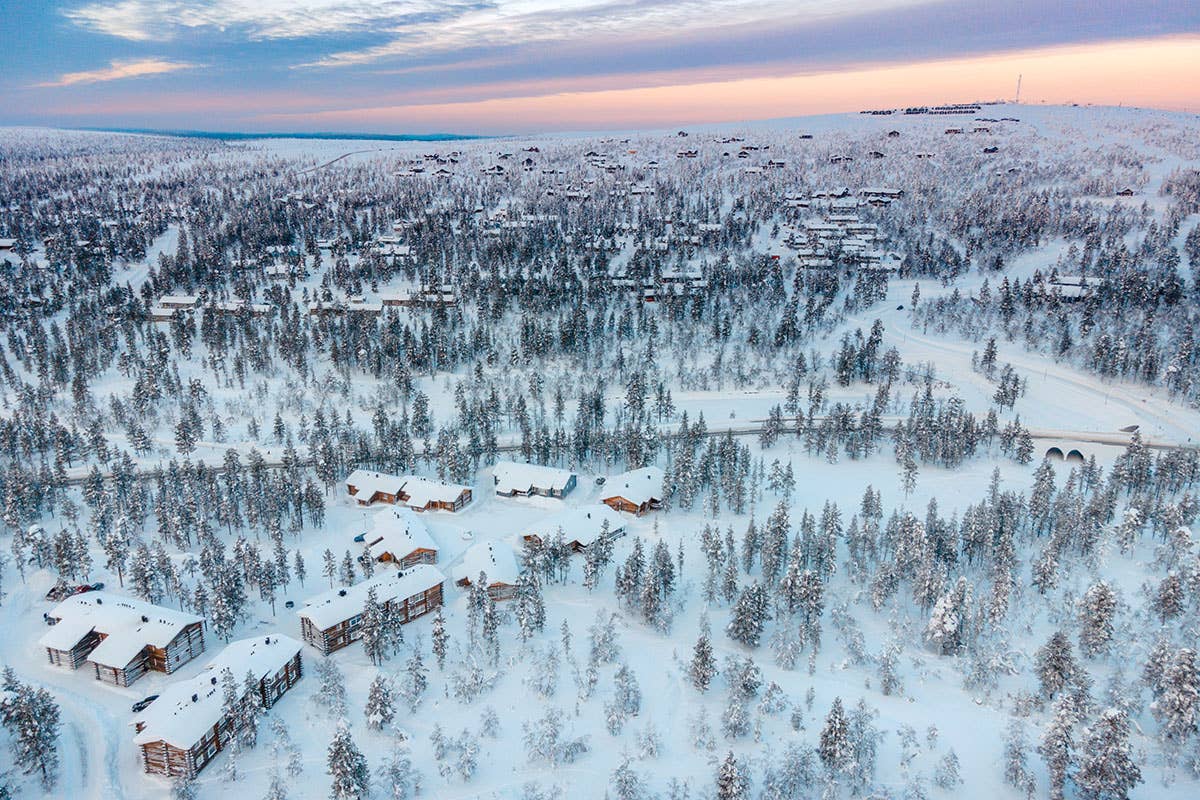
380,709
330,696
530,608
1016,759
1177,704
625,783
1097,610
347,767
251,709
834,748
400,780
416,680
703,665
440,638
731,780
946,630
1107,770
31,717
947,775
277,788
1058,744
1055,664
749,616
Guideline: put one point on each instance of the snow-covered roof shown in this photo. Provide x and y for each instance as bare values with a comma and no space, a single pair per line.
186,710
129,625
583,524
495,559
178,300
368,482
398,531
337,605
514,477
422,491
639,486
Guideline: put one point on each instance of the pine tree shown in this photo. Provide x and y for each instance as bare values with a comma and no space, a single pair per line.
400,780
32,719
1096,613
731,780
626,784
1055,664
749,616
1107,770
703,666
416,680
1057,745
347,767
440,638
381,708
1177,705
834,748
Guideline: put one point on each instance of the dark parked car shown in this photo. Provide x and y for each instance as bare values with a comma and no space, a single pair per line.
600,481
140,705
290,604
362,537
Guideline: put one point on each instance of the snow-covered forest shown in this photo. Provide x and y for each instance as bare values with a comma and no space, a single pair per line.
870,448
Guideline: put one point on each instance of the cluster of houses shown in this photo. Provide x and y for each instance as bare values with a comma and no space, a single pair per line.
841,238
367,487
190,721
171,306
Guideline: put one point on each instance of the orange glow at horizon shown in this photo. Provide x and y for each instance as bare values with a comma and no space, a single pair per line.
1154,73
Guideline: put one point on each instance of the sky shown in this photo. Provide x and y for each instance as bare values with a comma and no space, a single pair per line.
517,66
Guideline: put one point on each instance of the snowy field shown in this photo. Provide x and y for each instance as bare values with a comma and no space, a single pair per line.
863,579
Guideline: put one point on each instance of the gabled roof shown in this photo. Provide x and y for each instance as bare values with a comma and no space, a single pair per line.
398,530
422,491
186,710
583,524
638,487
337,605
129,625
495,559
512,476
368,482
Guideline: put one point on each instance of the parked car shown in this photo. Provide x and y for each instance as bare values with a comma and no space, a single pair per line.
600,480
290,604
140,705
362,537
97,586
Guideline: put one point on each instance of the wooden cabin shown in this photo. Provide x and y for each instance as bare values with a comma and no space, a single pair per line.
497,562
121,637
397,536
333,620
513,479
580,527
178,301
635,492
186,727
368,487
419,494
422,494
